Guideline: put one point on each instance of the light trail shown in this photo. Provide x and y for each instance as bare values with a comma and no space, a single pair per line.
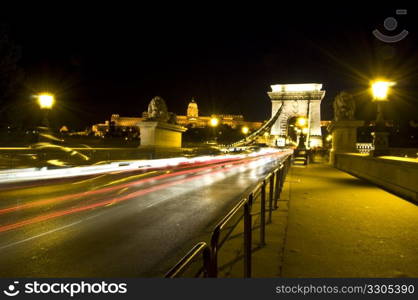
23,175
125,185
112,201
102,190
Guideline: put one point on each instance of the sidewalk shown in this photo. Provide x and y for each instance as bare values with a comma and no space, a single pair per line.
331,224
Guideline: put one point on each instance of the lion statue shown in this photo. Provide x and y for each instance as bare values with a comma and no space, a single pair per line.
344,107
157,111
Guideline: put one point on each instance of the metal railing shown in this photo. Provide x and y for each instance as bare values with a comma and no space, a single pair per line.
364,147
182,266
223,230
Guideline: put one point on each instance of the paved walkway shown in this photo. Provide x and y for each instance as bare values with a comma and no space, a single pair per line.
341,226
331,224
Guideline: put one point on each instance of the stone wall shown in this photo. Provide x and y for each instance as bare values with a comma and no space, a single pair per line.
409,152
396,174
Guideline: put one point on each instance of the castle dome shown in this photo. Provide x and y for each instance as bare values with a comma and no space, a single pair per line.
192,110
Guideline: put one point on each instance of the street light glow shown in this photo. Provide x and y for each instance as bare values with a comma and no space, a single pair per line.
301,122
245,130
214,122
380,89
46,101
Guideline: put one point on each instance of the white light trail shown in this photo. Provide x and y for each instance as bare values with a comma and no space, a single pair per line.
31,174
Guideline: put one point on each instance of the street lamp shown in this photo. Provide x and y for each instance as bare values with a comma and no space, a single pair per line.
380,90
329,138
301,153
214,122
245,130
45,101
301,123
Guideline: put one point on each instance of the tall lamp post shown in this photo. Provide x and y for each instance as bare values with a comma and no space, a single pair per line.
301,152
46,102
380,90
301,124
214,122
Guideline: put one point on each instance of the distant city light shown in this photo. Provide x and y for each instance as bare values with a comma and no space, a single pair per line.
46,101
245,130
380,89
214,122
305,130
329,138
304,87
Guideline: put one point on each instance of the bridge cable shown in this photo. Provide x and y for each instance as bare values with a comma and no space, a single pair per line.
259,132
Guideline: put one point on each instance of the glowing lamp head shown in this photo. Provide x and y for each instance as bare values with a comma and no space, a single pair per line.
329,138
214,122
301,122
46,101
245,130
380,90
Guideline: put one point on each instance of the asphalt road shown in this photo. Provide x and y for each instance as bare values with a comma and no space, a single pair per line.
122,224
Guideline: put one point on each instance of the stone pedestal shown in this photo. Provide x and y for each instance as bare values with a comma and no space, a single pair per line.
160,134
344,137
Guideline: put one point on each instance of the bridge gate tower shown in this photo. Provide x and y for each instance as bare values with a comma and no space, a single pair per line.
298,100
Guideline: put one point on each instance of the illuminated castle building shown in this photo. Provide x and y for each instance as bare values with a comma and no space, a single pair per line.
191,119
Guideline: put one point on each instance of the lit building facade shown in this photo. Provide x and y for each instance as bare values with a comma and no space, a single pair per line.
191,119
124,124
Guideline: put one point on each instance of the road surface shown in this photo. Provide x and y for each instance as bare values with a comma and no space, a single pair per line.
120,224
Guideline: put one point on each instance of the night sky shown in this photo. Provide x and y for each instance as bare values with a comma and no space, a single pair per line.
115,59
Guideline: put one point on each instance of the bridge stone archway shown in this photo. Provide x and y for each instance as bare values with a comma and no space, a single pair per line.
298,100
